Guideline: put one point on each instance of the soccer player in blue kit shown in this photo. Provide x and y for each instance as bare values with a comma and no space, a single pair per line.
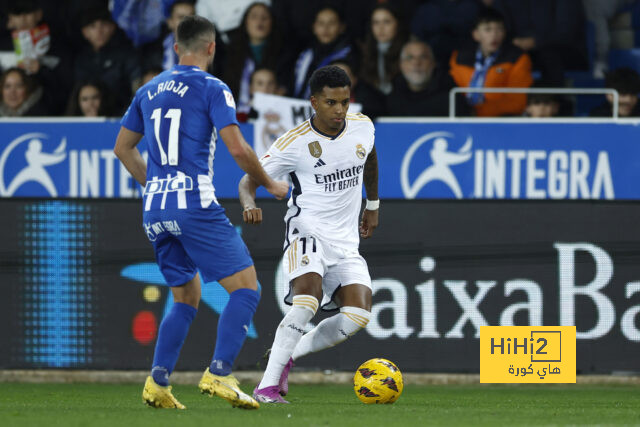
178,113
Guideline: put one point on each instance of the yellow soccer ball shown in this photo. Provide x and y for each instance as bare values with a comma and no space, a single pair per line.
378,381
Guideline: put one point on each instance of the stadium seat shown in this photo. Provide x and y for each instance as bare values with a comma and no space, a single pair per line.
624,58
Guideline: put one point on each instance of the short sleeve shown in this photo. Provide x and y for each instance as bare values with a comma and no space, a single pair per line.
222,107
133,119
279,163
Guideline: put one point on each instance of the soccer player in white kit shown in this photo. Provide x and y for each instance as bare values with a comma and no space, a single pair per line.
327,158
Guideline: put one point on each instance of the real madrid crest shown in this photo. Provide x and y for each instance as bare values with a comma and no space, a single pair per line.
360,151
315,149
305,260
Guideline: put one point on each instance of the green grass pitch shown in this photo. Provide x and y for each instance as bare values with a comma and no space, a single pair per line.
118,405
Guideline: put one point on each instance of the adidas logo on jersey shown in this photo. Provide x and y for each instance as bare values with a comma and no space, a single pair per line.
319,163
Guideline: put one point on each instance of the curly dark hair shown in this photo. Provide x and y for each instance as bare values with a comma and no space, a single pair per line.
240,49
330,76
369,66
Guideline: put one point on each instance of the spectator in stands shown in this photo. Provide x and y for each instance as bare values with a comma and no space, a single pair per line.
422,89
445,25
492,63
381,50
330,44
40,53
263,80
552,32
627,82
225,15
257,44
177,11
371,99
20,95
542,105
296,17
90,99
599,13
107,54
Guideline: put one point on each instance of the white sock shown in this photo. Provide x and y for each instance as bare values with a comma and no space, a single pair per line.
332,331
287,336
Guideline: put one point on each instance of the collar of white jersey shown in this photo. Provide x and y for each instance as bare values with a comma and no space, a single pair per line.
324,135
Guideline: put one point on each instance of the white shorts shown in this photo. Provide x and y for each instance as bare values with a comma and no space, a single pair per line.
338,267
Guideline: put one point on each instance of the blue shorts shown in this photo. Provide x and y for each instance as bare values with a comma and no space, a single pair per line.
198,239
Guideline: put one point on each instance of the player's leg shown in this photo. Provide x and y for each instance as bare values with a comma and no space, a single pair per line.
355,312
222,256
233,326
307,292
235,319
181,275
174,328
354,300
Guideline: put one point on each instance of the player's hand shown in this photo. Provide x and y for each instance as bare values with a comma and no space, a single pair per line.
369,223
252,215
279,189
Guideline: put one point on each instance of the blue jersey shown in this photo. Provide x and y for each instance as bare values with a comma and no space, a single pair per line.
178,112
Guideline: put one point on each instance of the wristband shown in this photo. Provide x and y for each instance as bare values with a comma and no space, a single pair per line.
372,205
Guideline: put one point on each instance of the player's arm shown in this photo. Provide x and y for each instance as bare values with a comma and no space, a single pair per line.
370,177
129,155
251,214
246,158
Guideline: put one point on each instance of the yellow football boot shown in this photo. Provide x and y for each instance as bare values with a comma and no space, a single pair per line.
159,397
227,388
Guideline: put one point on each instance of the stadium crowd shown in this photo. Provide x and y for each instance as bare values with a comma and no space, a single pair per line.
87,57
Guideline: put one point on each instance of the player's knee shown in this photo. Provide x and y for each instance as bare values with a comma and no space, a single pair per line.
357,318
192,300
190,296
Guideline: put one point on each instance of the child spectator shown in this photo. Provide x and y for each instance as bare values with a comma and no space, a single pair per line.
329,44
422,89
263,80
20,95
90,99
107,54
492,63
40,53
542,105
381,50
627,82
445,25
257,44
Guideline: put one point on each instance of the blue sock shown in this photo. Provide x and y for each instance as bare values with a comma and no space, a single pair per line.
232,329
173,330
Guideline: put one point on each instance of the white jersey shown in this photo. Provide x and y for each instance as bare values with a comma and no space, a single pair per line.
326,173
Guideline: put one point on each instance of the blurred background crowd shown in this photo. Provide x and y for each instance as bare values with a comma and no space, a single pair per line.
87,57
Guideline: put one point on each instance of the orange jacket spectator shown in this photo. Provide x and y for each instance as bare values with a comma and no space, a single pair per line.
512,68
